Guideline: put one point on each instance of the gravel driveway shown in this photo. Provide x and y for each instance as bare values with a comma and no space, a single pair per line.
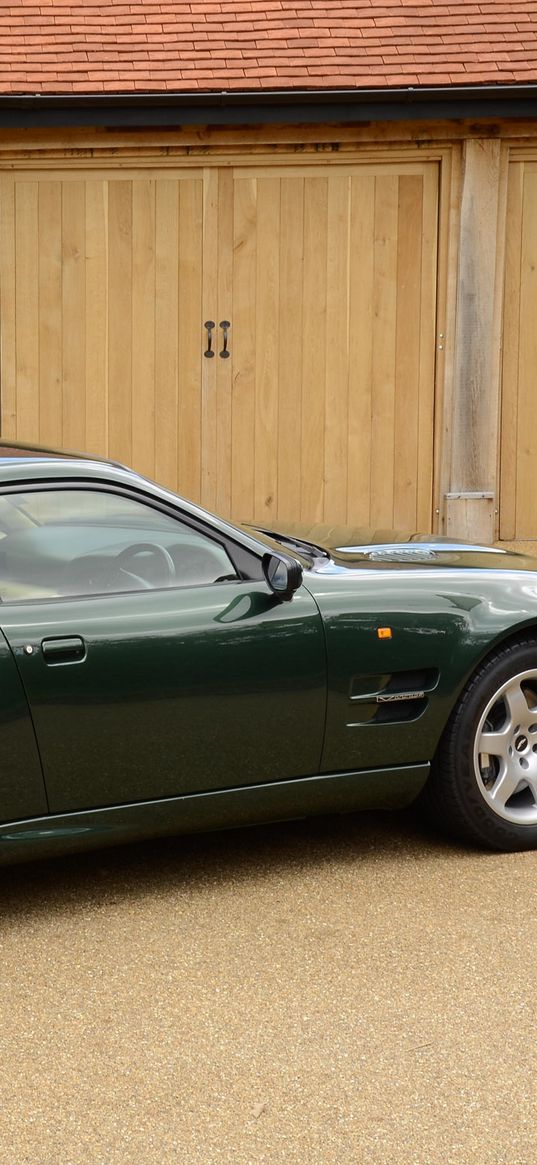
337,991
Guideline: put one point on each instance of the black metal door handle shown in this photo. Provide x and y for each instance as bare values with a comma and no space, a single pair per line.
209,324
225,325
69,649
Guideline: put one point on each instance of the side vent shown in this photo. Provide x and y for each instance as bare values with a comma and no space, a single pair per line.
391,698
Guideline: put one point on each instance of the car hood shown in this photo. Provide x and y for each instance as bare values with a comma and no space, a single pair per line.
348,548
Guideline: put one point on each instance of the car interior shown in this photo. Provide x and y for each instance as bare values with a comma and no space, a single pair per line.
74,542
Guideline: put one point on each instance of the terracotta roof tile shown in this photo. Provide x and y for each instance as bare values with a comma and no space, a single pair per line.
53,46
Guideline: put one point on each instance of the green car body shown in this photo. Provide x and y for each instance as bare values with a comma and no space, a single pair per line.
169,709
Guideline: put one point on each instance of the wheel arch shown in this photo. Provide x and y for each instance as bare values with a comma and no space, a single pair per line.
509,637
506,639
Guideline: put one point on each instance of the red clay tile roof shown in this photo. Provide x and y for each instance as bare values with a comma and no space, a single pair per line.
122,46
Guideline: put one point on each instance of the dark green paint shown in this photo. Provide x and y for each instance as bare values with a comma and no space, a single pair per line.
178,691
22,791
443,621
201,707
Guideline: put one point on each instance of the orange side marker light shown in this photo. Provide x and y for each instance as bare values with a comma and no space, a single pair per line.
384,632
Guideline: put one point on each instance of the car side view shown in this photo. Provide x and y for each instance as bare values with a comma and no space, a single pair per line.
165,671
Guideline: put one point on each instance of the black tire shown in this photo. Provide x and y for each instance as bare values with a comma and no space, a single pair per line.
483,782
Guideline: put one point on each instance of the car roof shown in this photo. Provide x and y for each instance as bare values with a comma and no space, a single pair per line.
17,450
20,461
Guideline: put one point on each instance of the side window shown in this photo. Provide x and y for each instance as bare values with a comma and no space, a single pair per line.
84,542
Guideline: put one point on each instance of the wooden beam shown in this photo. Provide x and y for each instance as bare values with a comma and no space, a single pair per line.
18,143
466,514
476,373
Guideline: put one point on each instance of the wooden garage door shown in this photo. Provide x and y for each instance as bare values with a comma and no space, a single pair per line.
100,308
327,275
518,509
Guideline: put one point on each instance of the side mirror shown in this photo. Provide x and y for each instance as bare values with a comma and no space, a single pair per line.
283,575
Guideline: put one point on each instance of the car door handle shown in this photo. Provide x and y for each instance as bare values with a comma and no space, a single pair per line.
70,649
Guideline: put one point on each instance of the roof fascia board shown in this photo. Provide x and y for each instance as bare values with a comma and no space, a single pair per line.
284,107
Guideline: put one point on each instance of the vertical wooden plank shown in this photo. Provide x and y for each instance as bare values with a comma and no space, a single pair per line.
448,228
526,421
169,271
210,312
337,339
120,320
223,364
314,348
361,248
427,350
192,336
383,338
27,310
243,352
476,370
407,351
50,383
267,335
512,334
8,368
96,322
291,297
497,324
73,306
143,326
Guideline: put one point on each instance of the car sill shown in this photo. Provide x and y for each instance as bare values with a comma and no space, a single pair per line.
346,792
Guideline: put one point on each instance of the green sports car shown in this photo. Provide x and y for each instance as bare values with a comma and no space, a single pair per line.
165,671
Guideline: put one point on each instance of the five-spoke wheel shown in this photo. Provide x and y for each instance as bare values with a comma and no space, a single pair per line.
483,783
505,751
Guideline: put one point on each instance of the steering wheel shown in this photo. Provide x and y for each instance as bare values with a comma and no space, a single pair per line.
120,570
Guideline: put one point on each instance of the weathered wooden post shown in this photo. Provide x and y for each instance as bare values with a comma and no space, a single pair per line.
471,503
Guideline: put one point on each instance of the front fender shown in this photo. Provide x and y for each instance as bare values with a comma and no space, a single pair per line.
442,624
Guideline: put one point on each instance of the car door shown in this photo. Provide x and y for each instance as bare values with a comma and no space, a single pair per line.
22,791
151,667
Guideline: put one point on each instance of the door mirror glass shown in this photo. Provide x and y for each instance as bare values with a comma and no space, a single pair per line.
283,575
